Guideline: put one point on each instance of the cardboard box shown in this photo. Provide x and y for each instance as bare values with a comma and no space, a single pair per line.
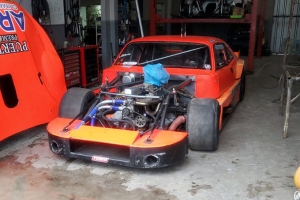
238,11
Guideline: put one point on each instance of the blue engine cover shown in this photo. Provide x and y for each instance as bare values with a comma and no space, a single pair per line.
155,74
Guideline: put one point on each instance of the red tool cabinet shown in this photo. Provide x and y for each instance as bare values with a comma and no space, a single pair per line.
89,66
71,63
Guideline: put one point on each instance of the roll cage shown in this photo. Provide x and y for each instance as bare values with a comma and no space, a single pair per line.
180,55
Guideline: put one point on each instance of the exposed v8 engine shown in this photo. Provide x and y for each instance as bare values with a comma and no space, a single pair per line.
137,105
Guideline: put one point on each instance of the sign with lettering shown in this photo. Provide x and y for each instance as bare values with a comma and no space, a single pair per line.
12,21
10,18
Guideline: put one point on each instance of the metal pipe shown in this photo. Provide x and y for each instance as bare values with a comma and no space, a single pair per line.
117,101
139,17
175,54
252,35
287,109
292,101
147,103
163,115
154,112
104,107
182,85
125,84
152,10
261,27
131,95
154,123
151,115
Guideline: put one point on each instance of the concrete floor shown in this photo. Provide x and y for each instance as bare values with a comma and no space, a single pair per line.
253,162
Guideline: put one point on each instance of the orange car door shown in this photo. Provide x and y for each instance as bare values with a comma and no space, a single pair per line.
224,63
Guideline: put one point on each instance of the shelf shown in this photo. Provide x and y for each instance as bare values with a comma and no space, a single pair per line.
250,19
98,39
127,20
246,20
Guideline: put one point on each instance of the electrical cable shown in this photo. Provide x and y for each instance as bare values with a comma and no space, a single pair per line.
41,11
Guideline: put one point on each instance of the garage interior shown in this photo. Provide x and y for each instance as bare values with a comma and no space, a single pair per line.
258,151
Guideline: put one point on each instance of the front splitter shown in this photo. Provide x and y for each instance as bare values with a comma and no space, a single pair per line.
165,148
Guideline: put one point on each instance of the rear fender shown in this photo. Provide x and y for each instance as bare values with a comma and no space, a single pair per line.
239,65
237,53
239,68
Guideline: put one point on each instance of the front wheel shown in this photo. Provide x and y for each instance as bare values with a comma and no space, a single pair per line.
203,124
242,86
75,101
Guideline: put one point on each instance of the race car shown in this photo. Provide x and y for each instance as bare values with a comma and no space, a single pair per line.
162,96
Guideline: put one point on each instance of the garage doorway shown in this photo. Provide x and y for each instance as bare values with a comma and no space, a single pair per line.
280,26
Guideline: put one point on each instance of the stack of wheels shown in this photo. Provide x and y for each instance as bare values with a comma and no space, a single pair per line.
297,184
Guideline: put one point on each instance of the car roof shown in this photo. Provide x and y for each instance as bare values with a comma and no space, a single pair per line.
208,40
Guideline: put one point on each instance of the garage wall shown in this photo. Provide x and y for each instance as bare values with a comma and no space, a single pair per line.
55,32
27,5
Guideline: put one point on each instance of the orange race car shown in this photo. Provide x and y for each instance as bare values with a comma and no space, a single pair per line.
162,96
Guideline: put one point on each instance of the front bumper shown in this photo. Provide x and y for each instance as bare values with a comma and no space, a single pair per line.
121,147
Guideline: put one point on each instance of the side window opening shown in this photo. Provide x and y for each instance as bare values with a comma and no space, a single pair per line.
8,91
229,55
220,56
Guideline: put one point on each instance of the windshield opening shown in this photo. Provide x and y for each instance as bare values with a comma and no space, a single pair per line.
185,55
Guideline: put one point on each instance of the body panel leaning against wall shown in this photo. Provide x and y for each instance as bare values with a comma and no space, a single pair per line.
31,74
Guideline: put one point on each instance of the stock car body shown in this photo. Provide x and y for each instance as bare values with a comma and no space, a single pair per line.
31,73
162,96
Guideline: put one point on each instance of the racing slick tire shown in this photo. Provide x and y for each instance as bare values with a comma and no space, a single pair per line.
74,101
203,124
242,86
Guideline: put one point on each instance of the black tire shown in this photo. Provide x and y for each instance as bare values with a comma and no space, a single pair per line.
74,101
243,86
203,124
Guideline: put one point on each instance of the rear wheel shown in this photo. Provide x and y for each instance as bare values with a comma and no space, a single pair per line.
203,124
242,86
75,101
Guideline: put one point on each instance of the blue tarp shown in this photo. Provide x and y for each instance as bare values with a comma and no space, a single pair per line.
155,74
